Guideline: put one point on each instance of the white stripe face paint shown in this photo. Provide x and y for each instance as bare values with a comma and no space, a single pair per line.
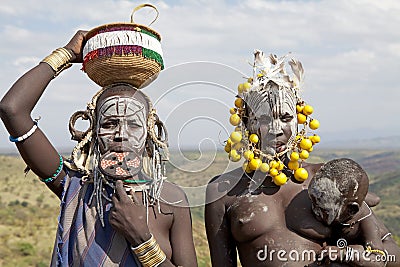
272,114
121,124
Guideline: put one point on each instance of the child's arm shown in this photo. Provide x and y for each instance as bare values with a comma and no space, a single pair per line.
370,233
373,230
371,253
300,219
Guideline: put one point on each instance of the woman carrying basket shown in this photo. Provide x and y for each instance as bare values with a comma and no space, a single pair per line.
116,208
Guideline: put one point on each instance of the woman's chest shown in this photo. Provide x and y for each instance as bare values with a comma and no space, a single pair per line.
251,216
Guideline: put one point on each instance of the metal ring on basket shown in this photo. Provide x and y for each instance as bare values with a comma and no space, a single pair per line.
142,6
123,52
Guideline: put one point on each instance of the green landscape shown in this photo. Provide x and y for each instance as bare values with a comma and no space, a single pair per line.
29,211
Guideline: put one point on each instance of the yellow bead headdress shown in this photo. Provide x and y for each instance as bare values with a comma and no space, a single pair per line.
269,71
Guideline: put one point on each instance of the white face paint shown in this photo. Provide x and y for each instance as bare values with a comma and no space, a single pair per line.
273,116
121,133
121,124
327,200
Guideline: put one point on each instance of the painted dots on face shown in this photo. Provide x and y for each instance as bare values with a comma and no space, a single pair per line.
122,121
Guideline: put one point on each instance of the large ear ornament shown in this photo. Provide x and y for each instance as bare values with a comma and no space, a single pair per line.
162,134
76,134
353,208
157,130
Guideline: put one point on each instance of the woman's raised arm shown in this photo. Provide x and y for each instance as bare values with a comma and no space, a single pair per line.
18,103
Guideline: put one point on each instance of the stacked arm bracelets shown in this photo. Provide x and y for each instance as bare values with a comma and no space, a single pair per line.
149,253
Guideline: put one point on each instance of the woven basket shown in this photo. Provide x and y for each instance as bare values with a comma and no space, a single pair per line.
123,52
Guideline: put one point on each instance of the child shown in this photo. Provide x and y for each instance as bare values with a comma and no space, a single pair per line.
336,197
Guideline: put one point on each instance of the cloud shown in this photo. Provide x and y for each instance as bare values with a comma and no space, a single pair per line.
349,49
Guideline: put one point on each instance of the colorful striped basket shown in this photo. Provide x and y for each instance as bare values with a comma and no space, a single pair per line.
123,52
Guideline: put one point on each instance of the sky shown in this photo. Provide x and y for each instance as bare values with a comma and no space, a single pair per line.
350,51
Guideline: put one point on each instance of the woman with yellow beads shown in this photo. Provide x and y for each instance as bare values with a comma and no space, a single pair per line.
246,207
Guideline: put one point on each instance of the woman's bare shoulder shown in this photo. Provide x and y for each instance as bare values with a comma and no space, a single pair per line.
173,193
223,185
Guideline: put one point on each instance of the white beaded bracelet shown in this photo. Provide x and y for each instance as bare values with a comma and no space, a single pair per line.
25,136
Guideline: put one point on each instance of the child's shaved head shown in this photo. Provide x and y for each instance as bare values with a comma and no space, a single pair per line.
337,190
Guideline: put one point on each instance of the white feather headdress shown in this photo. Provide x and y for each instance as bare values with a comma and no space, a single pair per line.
273,68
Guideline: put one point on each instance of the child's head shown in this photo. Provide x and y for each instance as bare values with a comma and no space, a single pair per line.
338,190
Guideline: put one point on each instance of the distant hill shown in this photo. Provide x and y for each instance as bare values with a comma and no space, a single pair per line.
28,210
341,141
350,142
